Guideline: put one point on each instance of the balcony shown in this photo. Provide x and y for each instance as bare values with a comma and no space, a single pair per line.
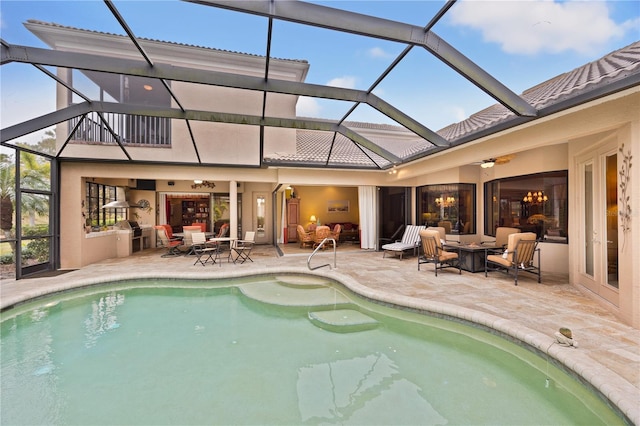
130,130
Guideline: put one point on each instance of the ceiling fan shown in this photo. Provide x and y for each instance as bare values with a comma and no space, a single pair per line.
490,162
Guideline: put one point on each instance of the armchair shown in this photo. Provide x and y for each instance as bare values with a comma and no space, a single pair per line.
304,237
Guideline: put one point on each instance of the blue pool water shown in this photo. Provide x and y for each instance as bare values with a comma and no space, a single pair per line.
267,351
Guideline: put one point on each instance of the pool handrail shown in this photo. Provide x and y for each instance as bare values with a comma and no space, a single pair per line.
318,248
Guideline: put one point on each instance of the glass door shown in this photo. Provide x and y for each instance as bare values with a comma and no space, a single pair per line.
261,217
598,266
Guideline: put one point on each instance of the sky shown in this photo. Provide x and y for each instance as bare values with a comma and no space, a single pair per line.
521,43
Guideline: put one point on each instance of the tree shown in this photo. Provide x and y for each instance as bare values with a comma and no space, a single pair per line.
7,195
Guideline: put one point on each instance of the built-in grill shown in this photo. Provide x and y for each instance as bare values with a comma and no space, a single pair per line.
137,231
131,225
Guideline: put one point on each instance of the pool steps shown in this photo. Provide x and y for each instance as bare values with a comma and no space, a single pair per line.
329,309
342,320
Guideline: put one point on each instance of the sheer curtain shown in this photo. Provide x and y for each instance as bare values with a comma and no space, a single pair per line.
162,208
283,218
367,203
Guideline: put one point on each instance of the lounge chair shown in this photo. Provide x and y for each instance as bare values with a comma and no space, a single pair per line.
172,246
410,241
394,237
432,252
242,248
304,237
518,257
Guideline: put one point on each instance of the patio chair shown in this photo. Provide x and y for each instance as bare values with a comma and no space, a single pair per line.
187,240
410,241
432,252
304,237
502,237
172,246
518,257
242,248
203,250
169,229
202,225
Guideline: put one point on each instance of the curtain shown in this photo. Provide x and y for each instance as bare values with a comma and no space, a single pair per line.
367,203
163,209
283,218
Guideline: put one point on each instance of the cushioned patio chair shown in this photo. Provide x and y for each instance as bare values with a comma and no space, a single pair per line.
518,257
172,246
432,252
169,229
410,241
304,237
502,237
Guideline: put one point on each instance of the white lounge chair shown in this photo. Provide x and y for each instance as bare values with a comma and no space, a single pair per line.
410,241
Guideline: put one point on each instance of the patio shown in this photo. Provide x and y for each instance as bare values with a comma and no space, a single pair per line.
608,354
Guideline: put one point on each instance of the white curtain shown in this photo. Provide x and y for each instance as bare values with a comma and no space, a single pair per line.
162,209
283,218
367,203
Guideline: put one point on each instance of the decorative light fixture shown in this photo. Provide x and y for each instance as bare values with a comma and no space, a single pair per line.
313,218
199,183
535,197
445,202
487,163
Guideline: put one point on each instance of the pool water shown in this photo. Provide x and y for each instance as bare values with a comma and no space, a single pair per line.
241,352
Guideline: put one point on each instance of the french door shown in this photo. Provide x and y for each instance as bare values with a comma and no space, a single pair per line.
598,203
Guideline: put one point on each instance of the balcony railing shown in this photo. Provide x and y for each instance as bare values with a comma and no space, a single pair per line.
138,130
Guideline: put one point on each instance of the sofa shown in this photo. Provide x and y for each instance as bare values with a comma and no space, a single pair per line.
350,231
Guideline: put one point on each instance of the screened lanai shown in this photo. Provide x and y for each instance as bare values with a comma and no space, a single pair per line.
129,91
273,85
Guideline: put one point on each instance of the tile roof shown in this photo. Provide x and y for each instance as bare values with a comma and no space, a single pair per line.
609,69
313,147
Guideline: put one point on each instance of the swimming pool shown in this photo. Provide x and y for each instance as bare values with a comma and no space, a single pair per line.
270,350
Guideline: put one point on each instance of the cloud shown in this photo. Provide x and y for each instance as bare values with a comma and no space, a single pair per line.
377,53
541,26
458,113
347,82
307,107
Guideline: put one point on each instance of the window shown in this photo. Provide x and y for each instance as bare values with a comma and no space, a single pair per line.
451,206
97,196
533,203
